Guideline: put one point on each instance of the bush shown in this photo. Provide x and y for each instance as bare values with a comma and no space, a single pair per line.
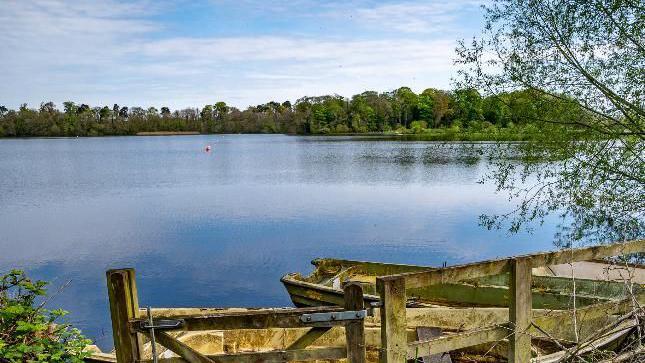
341,129
324,130
28,331
401,130
418,126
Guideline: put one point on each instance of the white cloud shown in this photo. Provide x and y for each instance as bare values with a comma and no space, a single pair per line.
411,17
110,52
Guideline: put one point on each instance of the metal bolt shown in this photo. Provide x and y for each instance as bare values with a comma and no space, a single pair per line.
309,318
358,315
333,316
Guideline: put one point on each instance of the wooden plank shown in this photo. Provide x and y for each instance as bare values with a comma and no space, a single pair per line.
124,305
308,338
589,288
520,310
171,313
393,321
480,295
181,349
269,357
449,343
262,319
355,331
100,358
449,318
586,254
453,274
426,333
372,268
495,267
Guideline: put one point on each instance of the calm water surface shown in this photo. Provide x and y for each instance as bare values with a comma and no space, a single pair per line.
220,228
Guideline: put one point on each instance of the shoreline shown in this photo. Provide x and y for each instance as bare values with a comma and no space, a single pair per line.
377,136
165,133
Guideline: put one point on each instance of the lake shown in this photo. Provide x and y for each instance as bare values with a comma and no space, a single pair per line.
219,229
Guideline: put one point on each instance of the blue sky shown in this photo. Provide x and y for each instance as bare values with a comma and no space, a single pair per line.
190,53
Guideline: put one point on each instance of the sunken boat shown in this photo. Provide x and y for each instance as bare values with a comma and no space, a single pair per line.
554,287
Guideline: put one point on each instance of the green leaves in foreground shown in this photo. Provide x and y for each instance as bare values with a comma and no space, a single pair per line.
28,331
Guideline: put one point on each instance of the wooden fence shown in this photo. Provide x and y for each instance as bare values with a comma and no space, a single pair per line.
129,327
392,291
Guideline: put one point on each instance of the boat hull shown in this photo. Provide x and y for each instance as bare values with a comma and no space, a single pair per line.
324,287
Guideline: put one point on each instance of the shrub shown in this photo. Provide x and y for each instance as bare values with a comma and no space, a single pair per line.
28,331
401,130
418,126
341,129
324,130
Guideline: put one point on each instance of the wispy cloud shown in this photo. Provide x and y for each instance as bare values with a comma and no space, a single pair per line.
410,17
106,52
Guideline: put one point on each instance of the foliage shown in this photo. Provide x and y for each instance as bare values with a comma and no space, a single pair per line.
369,111
577,69
28,331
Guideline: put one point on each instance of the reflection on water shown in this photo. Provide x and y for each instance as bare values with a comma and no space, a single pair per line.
220,228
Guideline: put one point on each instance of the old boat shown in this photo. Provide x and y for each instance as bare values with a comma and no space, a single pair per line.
553,286
571,302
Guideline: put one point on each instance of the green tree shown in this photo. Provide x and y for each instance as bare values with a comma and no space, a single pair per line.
31,333
123,112
104,113
408,103
82,109
580,64
221,110
468,106
496,111
48,107
426,106
206,113
441,106
115,112
70,108
361,114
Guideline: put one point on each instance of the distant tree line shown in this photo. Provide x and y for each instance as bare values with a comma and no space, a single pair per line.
400,110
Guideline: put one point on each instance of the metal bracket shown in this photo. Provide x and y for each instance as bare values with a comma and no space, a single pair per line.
163,324
373,305
330,318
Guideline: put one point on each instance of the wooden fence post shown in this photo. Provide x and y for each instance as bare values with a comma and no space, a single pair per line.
124,305
355,331
394,343
520,310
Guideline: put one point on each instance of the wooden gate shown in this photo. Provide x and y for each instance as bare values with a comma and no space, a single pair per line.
392,290
129,327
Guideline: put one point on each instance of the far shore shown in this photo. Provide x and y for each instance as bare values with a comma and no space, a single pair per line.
166,133
441,135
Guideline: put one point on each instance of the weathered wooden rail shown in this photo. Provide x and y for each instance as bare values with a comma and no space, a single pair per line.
129,327
392,291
